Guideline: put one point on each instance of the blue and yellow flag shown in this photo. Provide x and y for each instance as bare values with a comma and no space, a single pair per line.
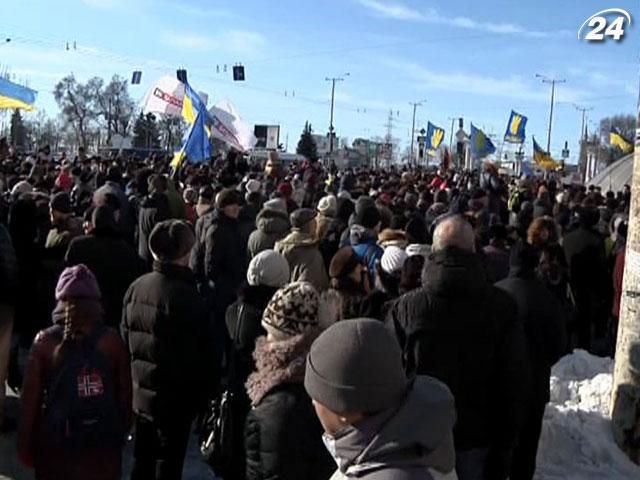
515,128
434,138
481,145
543,159
15,96
196,147
617,139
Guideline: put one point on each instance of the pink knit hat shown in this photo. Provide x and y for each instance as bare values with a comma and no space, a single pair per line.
77,283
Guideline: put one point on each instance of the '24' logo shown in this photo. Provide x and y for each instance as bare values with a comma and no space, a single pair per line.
598,23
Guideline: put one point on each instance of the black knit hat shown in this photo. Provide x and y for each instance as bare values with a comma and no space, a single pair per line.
171,240
368,217
355,366
61,202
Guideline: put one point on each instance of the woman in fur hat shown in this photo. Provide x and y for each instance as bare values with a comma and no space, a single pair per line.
283,439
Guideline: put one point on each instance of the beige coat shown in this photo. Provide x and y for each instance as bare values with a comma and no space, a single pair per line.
305,260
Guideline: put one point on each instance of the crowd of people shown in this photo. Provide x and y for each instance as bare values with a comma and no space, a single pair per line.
368,323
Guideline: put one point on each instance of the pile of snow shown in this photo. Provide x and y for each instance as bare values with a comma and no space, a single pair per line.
576,441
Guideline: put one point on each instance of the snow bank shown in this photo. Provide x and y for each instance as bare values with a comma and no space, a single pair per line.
576,441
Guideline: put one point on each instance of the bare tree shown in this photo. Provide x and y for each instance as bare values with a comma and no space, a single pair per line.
76,102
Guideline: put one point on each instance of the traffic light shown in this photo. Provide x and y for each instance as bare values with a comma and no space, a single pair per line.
136,77
182,75
238,73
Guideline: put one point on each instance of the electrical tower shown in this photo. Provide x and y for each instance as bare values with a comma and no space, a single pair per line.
388,139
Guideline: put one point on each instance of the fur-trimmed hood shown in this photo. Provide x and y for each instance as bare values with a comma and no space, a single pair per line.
278,363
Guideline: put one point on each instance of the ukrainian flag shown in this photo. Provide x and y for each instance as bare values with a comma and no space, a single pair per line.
481,145
196,147
515,128
14,96
617,139
543,159
435,135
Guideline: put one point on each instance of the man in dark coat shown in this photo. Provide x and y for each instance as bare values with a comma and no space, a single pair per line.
153,210
588,277
9,282
465,332
544,325
110,258
165,328
272,225
113,186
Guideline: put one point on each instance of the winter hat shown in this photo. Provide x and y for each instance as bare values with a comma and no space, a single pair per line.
268,268
171,240
205,195
368,217
344,195
293,310
389,237
60,202
228,197
355,366
285,189
253,186
328,206
21,187
417,230
277,204
103,218
393,259
343,262
415,249
77,282
301,217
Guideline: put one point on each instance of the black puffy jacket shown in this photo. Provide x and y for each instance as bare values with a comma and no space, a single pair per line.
166,329
465,332
153,210
113,262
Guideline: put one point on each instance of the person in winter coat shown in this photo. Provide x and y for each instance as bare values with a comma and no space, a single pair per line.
496,254
543,235
378,424
350,280
268,271
110,258
77,320
249,214
64,227
165,325
207,213
153,210
388,276
272,225
9,282
328,232
588,277
544,326
283,437
225,254
363,236
300,248
113,186
465,332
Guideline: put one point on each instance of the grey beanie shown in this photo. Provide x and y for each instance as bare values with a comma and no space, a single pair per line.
268,268
355,366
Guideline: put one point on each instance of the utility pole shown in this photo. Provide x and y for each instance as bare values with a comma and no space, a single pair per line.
333,81
553,82
389,138
625,397
413,128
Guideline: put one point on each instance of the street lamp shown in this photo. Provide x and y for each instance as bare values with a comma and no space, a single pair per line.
553,82
413,126
333,81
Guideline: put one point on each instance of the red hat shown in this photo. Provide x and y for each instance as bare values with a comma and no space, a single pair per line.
285,189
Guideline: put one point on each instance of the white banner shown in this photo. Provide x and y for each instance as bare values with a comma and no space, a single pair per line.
230,128
165,97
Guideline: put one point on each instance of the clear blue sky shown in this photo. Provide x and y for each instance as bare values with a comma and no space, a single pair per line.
470,58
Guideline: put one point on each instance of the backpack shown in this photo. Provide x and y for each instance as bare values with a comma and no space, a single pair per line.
80,404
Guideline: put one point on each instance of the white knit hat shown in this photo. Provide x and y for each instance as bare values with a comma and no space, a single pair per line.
253,186
393,259
268,268
328,205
